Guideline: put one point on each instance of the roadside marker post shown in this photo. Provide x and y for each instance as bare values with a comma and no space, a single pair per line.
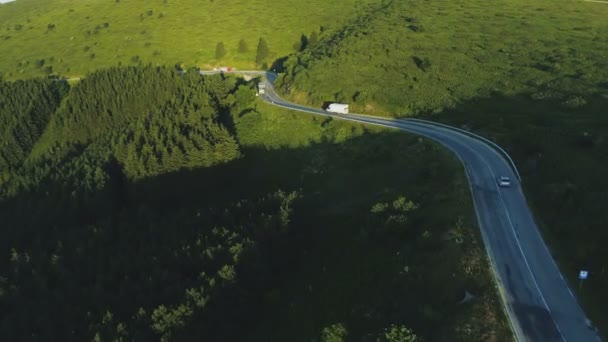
582,275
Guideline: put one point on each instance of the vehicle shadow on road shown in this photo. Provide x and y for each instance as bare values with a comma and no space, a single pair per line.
536,322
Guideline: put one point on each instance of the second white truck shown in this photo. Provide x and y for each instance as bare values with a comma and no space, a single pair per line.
340,108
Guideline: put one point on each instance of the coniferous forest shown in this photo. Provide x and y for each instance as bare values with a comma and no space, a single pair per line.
116,126
141,203
26,107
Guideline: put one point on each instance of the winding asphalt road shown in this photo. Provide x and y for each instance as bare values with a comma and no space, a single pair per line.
539,304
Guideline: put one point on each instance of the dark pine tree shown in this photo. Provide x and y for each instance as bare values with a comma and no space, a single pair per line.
220,51
243,46
262,53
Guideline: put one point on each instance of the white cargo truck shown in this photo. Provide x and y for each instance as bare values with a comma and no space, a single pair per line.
340,108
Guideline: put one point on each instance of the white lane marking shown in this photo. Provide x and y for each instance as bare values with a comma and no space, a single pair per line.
515,235
537,232
513,230
518,243
396,125
503,204
506,306
543,242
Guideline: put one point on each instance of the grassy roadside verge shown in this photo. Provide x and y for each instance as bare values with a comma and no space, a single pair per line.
559,151
528,75
350,273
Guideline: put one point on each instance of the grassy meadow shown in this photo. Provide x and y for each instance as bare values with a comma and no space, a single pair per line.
75,37
437,54
360,278
530,75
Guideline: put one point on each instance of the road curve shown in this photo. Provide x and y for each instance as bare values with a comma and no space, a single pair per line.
537,299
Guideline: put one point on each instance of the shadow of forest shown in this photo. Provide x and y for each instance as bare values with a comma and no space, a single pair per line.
134,245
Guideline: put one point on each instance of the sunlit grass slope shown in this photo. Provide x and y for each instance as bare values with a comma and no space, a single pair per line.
411,57
530,75
74,37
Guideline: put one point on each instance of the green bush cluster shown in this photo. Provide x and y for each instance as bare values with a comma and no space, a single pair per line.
25,109
104,122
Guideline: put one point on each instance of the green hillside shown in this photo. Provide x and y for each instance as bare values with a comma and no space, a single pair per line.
26,107
159,206
141,204
411,57
72,38
531,75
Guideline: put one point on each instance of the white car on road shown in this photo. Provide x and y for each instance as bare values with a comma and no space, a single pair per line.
504,181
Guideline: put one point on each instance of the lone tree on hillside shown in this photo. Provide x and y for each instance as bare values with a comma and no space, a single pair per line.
313,39
243,46
220,50
262,51
301,44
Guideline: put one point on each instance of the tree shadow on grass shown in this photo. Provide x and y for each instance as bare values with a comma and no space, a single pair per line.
278,65
338,182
